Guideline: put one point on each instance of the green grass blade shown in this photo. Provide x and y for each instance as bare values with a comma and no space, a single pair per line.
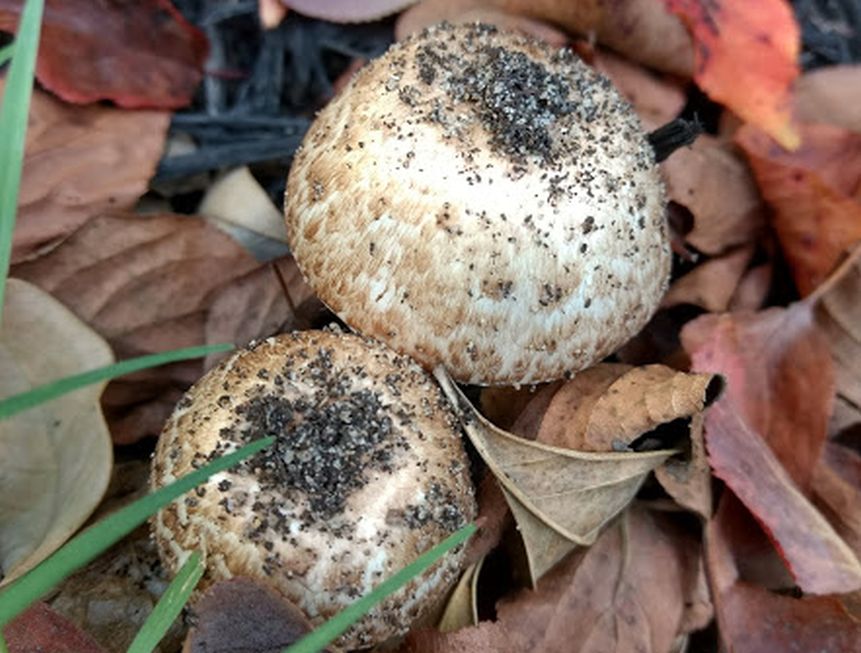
3,648
169,606
6,54
332,629
13,126
90,543
17,403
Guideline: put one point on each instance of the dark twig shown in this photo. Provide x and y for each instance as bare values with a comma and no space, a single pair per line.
674,135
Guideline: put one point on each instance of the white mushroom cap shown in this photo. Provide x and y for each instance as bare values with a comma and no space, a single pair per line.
478,200
368,471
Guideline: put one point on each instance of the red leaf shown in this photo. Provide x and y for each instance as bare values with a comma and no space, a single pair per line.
819,560
746,58
752,619
816,195
137,54
780,378
42,630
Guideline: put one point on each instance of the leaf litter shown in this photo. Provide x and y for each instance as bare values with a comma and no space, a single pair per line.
640,585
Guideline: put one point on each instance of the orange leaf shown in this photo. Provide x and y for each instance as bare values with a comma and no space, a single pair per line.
746,58
815,193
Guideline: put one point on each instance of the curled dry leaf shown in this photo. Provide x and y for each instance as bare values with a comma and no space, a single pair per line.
55,459
712,284
779,377
815,193
156,56
753,289
146,284
838,314
753,619
79,162
643,30
714,184
747,59
461,610
688,479
244,614
635,589
556,494
837,491
608,406
830,95
40,628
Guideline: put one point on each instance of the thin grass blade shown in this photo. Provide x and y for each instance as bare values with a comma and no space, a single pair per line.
13,126
90,543
6,54
20,402
332,629
169,606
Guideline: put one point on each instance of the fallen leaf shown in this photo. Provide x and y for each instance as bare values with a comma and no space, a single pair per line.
244,614
271,13
608,406
819,560
493,519
41,630
572,493
753,289
830,95
139,54
55,459
746,59
837,491
712,284
112,596
815,193
461,609
687,479
79,162
348,11
838,315
486,637
628,593
715,185
753,619
256,305
779,378
657,100
146,284
237,204
643,30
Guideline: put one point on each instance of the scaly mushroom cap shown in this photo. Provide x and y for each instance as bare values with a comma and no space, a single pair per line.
477,200
368,471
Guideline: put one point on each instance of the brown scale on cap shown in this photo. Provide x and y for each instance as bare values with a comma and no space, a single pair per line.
477,200
367,472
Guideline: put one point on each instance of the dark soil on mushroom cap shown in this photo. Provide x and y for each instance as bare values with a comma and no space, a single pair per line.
326,446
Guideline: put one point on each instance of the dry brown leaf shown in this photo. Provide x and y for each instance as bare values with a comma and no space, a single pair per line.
688,479
656,100
608,406
715,185
830,95
643,30
145,283
838,314
55,459
42,630
256,305
837,491
461,610
635,589
712,284
753,289
486,637
574,493
78,163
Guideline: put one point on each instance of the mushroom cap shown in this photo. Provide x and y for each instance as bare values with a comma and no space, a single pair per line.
477,200
367,472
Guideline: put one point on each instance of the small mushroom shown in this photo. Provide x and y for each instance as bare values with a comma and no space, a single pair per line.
367,472
477,200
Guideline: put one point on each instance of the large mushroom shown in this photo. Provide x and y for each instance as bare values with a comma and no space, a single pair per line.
367,472
477,200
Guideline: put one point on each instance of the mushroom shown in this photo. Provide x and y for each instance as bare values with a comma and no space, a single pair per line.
367,472
477,200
